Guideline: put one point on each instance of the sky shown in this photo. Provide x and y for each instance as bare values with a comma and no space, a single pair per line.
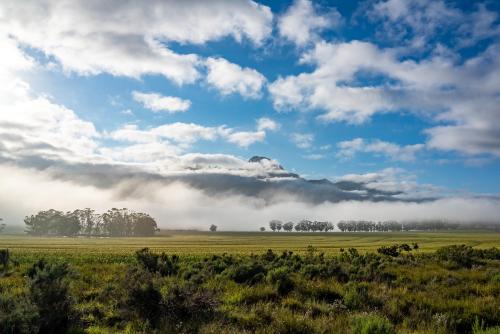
159,107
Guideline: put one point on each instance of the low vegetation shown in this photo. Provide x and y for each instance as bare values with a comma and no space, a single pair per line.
396,289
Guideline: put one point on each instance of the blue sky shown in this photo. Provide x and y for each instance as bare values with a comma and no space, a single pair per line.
326,88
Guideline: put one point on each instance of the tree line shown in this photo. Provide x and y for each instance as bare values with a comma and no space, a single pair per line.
370,226
302,226
114,222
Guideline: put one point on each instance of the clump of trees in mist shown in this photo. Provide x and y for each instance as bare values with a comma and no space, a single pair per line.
302,226
114,223
381,226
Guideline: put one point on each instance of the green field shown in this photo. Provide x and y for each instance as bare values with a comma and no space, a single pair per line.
228,282
200,243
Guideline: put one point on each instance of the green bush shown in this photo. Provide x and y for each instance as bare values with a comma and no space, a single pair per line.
356,295
49,291
461,256
252,273
479,328
18,315
186,307
4,258
142,299
154,263
292,324
372,324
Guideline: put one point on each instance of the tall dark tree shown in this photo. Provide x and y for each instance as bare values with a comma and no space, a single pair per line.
273,224
288,227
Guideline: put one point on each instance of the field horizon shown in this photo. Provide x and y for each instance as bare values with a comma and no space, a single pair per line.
240,242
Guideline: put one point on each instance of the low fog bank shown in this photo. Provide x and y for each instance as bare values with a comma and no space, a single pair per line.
178,206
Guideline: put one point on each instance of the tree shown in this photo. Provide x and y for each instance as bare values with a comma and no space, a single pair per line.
262,229
279,225
329,227
288,227
273,224
89,221
2,225
213,228
143,224
52,222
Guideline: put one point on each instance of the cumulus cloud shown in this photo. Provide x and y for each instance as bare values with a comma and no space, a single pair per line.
97,37
419,22
265,123
157,102
230,78
463,96
177,137
349,148
302,22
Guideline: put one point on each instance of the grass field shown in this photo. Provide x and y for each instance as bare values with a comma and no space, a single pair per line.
200,243
101,286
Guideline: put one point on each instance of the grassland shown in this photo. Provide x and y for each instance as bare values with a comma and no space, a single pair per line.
242,243
228,282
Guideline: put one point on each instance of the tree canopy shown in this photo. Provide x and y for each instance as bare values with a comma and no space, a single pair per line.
115,222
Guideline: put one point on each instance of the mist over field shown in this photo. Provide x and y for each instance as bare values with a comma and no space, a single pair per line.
177,205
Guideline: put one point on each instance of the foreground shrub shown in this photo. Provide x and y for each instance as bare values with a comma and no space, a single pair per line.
4,258
356,296
252,273
461,256
142,299
371,324
292,324
18,315
162,264
281,278
49,291
186,307
479,328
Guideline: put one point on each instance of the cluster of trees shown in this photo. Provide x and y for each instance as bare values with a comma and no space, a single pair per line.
369,226
394,226
114,222
302,226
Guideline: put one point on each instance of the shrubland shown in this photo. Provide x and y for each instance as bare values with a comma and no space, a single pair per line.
396,289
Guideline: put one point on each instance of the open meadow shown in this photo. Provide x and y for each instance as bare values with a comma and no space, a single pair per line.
249,282
243,243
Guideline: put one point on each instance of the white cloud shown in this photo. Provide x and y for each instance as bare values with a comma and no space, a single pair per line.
231,78
348,149
265,123
91,38
302,140
245,138
395,180
157,102
462,96
176,205
302,23
185,132
33,125
418,22
180,136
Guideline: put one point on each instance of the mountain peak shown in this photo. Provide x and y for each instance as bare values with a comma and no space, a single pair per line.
257,158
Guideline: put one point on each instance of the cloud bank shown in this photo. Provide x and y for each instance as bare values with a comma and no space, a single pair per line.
178,205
